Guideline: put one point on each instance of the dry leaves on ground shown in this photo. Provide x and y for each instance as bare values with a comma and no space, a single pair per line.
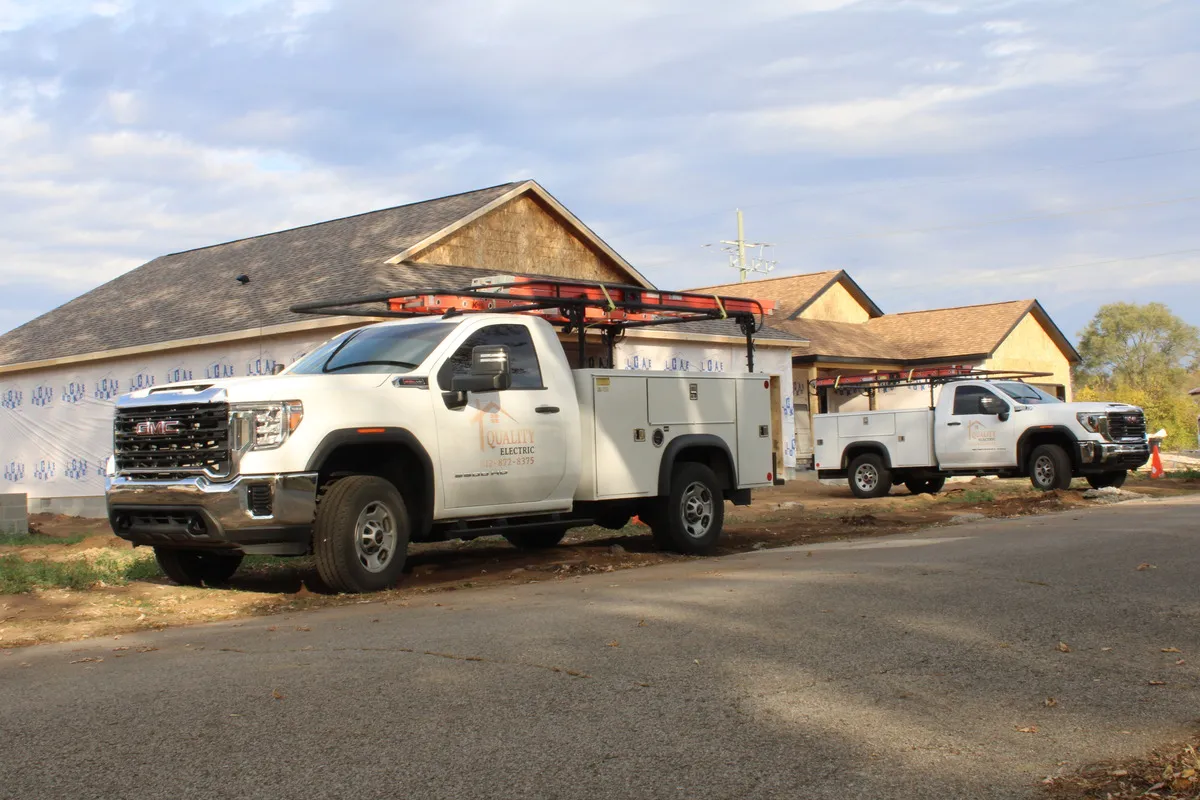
1169,774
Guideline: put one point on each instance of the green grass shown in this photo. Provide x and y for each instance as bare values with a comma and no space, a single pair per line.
1186,474
18,576
37,539
273,563
974,496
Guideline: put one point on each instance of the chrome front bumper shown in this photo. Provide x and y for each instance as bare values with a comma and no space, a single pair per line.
1107,456
252,513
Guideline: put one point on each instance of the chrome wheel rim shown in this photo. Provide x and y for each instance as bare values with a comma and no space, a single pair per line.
866,477
375,537
697,509
1043,469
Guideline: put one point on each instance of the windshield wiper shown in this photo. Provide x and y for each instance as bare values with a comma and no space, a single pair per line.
406,364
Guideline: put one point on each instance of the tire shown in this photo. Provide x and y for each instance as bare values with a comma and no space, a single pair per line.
869,477
1105,479
197,567
536,540
653,517
925,485
691,519
1049,468
360,535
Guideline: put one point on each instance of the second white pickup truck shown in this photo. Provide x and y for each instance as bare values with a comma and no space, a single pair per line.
981,424
437,427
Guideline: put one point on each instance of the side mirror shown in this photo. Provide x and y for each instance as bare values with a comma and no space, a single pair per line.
990,404
490,371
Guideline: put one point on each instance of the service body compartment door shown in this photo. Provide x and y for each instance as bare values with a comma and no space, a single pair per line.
754,444
866,425
690,401
913,446
626,460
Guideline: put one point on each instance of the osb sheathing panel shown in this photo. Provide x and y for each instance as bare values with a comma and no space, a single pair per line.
836,304
1031,349
524,236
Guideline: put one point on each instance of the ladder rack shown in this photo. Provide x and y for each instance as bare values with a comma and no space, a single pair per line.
576,306
929,376
933,376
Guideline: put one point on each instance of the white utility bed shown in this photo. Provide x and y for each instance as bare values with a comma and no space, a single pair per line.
907,435
629,420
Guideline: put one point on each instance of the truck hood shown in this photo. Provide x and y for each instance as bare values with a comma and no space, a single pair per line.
1099,408
251,390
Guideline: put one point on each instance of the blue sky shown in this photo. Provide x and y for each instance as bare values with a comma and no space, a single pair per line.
943,152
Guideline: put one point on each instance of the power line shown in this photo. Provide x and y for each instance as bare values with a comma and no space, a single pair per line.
902,183
1041,270
1007,220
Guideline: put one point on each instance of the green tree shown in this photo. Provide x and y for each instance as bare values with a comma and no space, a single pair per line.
1143,346
1145,356
1171,410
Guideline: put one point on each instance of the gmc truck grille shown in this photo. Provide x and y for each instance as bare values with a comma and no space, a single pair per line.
168,442
1124,425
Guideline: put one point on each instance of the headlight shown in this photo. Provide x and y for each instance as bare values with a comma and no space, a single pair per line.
270,423
1096,423
110,466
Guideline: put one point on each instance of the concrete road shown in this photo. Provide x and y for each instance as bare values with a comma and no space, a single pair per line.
903,666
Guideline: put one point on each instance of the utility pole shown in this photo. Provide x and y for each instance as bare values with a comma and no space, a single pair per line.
736,249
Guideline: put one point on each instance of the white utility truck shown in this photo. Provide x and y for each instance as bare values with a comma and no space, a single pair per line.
460,420
983,423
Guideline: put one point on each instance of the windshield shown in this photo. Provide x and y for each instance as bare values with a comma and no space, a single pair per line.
1024,393
386,349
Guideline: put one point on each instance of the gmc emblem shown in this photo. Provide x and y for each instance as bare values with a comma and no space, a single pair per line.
1133,419
162,427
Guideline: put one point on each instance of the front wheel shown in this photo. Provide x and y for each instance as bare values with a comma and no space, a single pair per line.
1049,468
536,540
196,567
1106,479
360,535
869,477
694,513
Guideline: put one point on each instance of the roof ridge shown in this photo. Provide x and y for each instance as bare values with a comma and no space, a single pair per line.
765,280
340,219
956,308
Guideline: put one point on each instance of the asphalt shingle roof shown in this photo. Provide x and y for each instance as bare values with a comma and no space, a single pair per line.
194,293
950,332
793,293
833,340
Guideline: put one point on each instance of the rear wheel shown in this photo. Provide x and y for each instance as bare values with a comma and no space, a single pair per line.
360,536
1049,468
196,567
869,477
1105,479
694,513
925,485
536,540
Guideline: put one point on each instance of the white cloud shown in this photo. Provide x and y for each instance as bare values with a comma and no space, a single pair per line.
132,128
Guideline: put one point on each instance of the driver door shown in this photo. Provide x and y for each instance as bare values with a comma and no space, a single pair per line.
972,439
504,448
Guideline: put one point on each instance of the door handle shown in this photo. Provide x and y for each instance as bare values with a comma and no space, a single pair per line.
546,409
952,424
